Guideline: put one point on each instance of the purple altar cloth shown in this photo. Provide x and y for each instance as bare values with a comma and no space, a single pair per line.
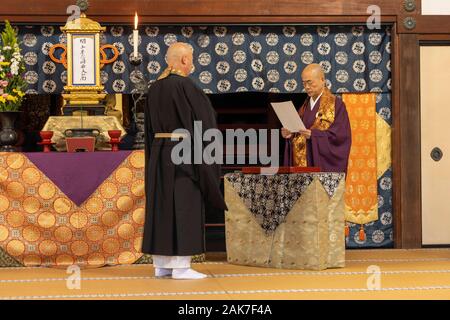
79,174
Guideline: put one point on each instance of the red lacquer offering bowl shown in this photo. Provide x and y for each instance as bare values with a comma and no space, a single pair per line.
46,142
115,139
46,135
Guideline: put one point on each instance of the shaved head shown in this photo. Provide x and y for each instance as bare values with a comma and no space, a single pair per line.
315,70
180,56
176,51
313,79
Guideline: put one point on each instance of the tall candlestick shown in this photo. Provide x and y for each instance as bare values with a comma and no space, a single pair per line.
135,36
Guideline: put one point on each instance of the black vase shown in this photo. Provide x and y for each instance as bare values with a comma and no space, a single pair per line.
8,136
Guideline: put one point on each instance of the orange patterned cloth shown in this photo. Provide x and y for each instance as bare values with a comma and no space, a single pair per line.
361,200
40,225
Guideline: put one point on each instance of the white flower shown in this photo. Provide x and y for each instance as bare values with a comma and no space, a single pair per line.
16,58
14,68
6,48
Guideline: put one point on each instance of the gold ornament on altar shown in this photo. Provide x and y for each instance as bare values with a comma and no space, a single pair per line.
83,57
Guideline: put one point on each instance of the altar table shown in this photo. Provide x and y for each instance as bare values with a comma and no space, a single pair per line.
59,209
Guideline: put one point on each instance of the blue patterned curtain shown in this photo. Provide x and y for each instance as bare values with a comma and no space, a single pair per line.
231,58
244,58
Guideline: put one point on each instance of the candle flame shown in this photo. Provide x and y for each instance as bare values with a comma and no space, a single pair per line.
136,21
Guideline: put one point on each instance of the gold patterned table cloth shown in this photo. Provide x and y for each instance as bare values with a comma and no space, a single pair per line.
289,221
41,226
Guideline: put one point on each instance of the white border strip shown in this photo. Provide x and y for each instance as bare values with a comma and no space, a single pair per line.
199,293
399,260
224,262
238,275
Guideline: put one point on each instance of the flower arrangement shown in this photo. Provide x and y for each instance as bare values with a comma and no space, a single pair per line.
12,68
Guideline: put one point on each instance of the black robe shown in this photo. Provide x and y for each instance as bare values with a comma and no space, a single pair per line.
176,194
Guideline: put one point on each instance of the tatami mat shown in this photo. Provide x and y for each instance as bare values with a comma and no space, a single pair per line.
404,274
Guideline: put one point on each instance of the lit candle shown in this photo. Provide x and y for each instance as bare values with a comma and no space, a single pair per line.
135,36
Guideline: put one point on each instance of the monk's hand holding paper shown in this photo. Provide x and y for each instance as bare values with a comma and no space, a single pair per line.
306,133
285,133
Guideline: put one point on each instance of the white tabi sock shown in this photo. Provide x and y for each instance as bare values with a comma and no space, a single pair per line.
162,272
187,274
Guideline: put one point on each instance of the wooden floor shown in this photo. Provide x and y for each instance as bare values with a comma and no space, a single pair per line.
403,274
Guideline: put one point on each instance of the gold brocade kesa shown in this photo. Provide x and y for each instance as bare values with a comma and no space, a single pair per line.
324,119
169,71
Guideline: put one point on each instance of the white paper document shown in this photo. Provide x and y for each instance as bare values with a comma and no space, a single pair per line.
288,115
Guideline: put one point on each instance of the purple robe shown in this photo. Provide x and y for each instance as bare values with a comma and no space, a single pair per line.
328,149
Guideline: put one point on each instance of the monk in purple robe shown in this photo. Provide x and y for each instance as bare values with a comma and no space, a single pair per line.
326,143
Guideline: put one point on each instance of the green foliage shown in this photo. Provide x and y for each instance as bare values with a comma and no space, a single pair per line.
12,68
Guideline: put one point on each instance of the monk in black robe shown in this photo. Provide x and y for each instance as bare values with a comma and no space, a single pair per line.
327,141
176,194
